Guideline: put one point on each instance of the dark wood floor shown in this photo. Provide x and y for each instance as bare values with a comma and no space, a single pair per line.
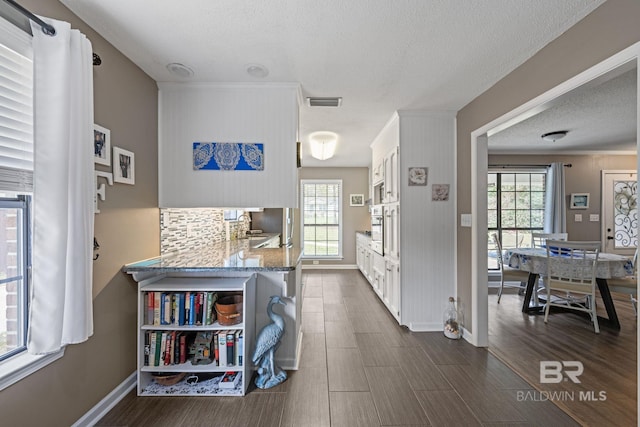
609,358
359,368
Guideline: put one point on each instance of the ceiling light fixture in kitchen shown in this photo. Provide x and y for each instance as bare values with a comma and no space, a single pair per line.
323,144
554,136
180,70
257,70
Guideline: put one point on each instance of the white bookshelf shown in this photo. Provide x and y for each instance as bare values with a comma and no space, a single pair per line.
203,379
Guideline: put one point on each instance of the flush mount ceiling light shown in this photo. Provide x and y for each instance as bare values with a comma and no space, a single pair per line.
324,102
323,144
180,70
257,70
554,136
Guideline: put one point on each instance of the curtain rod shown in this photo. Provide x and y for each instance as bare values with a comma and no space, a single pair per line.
568,165
46,28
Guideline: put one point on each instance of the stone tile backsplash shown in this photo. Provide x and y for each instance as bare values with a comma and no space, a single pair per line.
190,228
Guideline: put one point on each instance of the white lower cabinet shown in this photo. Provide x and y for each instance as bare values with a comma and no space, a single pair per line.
383,273
392,287
182,349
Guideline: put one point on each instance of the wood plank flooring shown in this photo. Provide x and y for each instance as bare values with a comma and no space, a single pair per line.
609,358
360,368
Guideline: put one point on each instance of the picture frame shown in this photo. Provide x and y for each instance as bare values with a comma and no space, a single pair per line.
579,201
356,200
418,176
123,166
440,192
101,145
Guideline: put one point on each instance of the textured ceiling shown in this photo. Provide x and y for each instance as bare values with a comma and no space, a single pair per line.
378,55
598,118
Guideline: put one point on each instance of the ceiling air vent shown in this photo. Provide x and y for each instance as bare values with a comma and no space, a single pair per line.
324,102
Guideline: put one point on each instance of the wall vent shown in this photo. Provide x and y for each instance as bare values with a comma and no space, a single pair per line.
324,102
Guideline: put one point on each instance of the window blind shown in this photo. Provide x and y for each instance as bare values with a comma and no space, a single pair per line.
16,120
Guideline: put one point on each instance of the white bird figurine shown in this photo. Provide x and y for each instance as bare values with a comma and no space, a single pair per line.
267,343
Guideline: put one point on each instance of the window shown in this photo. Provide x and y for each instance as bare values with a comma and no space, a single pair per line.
322,218
16,178
515,208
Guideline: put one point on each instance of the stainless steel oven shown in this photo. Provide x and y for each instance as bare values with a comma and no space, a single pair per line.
377,232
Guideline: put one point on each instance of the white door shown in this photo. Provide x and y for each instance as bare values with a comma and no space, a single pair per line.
619,212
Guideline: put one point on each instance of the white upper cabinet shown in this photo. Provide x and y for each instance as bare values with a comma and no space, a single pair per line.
264,114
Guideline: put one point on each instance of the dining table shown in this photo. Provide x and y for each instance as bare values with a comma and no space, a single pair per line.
534,261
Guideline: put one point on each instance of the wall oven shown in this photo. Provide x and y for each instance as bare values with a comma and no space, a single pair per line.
377,232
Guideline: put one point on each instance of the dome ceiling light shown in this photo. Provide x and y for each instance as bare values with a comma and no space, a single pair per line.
554,136
257,70
323,144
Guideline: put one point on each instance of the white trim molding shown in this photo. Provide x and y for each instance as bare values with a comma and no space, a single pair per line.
96,413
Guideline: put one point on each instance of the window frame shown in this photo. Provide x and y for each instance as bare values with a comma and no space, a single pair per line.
499,229
337,182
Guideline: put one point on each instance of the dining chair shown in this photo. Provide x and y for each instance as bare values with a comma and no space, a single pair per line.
508,274
571,271
538,240
628,284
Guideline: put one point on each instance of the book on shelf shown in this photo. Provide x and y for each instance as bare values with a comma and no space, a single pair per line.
156,308
183,348
147,348
222,348
239,347
152,348
192,308
167,309
230,380
212,297
216,349
158,352
181,308
231,345
149,303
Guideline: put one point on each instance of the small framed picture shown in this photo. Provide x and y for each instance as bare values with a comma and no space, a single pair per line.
579,201
123,166
356,199
440,192
101,145
418,176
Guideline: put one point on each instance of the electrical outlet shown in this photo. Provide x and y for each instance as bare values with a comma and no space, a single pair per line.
315,262
577,218
594,217
190,230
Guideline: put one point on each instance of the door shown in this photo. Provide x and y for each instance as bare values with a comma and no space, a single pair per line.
619,212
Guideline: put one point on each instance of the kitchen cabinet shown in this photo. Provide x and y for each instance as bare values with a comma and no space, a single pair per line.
392,287
391,231
391,176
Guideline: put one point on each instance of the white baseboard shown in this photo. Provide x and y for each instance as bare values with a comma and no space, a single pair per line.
425,326
329,266
105,405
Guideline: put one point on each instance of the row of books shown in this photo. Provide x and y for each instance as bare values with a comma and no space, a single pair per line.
221,348
180,308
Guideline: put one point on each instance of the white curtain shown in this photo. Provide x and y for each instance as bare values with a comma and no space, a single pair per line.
555,218
61,288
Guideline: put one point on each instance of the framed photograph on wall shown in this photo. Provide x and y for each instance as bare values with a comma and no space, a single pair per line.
356,200
579,201
123,166
101,145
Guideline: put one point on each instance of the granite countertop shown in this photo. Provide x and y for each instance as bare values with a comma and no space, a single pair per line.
236,255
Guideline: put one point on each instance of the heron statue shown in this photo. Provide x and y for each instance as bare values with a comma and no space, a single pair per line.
268,341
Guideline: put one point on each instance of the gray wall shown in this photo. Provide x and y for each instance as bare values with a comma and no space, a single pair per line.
606,31
127,229
355,218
